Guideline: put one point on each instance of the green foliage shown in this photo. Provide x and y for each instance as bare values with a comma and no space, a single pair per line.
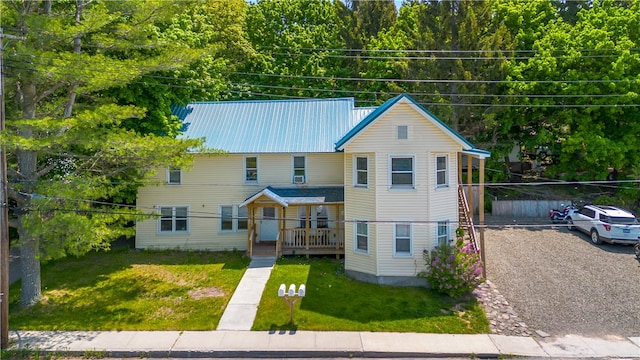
335,302
453,269
72,147
592,64
133,290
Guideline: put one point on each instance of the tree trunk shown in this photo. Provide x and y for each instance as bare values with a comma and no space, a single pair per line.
27,166
31,290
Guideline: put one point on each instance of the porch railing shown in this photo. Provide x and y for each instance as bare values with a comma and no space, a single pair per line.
318,238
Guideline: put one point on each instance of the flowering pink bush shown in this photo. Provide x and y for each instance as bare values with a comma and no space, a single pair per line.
454,269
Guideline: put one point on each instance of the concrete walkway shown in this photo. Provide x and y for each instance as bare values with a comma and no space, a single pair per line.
243,305
261,344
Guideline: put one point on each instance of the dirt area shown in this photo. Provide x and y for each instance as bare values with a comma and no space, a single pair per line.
560,283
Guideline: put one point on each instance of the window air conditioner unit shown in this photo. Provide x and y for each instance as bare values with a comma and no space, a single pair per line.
298,179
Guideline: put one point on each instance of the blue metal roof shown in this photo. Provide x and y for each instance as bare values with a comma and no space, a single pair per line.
290,126
271,126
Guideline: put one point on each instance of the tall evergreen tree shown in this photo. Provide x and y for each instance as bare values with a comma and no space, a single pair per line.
65,140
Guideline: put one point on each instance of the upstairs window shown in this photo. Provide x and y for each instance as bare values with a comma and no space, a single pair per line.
403,132
299,169
251,169
361,175
442,175
402,172
174,176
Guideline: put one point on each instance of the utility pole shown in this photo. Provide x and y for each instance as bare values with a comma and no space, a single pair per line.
4,214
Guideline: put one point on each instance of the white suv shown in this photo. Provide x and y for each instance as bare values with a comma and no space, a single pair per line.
605,223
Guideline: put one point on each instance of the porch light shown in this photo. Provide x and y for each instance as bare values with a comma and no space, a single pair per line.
291,297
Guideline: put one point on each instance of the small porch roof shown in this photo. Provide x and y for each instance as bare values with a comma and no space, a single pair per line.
299,195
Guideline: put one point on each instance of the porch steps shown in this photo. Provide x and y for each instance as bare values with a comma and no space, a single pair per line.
243,306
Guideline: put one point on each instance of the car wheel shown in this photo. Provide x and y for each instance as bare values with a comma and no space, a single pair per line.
636,250
595,238
570,224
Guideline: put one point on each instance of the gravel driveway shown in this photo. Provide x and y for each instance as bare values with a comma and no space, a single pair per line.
560,283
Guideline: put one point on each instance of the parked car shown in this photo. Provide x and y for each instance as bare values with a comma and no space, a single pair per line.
605,224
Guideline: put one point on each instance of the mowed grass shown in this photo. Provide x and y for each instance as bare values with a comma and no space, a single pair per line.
132,290
335,302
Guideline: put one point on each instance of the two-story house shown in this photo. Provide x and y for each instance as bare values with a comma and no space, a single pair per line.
320,176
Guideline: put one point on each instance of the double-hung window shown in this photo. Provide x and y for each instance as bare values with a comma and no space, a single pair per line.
361,236
402,171
233,218
361,173
402,243
299,169
173,219
251,169
442,175
443,233
174,176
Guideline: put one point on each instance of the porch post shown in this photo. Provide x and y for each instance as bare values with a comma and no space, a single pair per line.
459,168
481,216
250,230
307,226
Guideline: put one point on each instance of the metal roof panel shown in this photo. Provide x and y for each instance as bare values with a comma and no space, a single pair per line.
271,126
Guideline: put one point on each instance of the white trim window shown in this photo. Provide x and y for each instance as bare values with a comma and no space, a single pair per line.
233,218
402,132
299,167
442,172
174,176
442,233
402,171
403,239
361,171
361,236
173,220
251,169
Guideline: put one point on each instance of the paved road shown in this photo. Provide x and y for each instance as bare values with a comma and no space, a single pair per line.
560,283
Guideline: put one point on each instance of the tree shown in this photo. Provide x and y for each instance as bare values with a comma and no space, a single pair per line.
215,28
65,140
578,95
294,41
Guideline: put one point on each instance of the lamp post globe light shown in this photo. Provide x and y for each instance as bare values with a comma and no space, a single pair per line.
291,297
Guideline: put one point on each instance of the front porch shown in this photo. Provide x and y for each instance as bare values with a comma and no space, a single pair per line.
296,221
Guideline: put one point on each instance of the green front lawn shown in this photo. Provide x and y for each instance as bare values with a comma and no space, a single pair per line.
132,290
335,302
175,290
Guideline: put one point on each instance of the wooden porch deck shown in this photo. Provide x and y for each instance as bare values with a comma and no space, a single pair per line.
301,241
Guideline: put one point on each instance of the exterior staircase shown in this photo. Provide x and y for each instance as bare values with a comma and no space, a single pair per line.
465,219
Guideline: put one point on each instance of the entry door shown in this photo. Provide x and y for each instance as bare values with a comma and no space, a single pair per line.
269,224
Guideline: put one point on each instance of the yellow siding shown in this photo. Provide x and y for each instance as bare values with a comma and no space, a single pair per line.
425,204
219,180
325,169
360,203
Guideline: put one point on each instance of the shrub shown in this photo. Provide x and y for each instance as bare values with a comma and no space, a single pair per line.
454,269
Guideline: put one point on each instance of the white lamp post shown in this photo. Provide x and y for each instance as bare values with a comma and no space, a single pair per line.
291,297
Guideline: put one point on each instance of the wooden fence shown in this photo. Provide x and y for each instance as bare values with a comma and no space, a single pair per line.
525,208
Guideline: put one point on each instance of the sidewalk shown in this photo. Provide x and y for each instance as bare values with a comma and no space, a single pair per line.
233,338
259,344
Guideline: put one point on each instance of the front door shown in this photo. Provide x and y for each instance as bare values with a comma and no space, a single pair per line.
269,224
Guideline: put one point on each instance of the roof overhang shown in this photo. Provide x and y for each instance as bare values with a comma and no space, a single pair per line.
299,196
